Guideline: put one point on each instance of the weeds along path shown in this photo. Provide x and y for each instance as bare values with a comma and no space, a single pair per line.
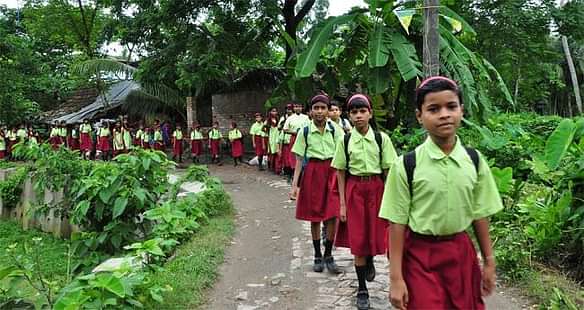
268,264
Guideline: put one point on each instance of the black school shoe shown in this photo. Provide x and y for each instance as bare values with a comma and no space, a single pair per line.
362,300
318,264
370,270
331,265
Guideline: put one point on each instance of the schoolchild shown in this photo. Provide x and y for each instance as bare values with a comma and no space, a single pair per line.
63,133
126,135
362,159
21,133
177,143
335,115
292,125
74,137
118,140
86,144
196,142
12,140
215,138
432,196
285,152
146,135
103,141
158,138
236,138
138,136
272,135
54,137
315,145
257,139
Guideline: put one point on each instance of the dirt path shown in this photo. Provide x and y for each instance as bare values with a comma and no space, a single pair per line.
268,265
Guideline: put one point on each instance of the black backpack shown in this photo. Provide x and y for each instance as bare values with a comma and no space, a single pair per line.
410,165
379,141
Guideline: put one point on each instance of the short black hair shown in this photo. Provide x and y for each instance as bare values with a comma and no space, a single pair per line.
435,86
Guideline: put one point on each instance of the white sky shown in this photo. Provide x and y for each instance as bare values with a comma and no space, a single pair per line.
336,7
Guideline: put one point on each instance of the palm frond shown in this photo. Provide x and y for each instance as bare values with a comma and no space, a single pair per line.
97,67
405,56
379,44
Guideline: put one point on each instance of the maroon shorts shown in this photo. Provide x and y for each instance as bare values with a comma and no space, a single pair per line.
177,147
315,202
367,234
236,148
196,147
442,274
259,149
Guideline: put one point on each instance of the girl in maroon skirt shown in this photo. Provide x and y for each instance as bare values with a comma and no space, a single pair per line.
362,160
86,144
196,142
235,137
177,144
315,146
257,139
215,142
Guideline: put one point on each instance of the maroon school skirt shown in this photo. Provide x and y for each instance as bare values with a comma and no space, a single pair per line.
367,233
55,143
86,144
236,148
73,143
442,274
215,147
158,145
291,155
285,158
177,147
2,154
196,147
103,144
315,202
259,149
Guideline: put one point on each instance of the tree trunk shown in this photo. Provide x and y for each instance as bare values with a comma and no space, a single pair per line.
573,75
431,38
516,93
292,20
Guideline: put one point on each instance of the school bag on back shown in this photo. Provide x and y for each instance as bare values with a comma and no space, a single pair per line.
410,165
305,159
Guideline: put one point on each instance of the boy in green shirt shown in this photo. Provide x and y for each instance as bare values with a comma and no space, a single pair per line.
433,263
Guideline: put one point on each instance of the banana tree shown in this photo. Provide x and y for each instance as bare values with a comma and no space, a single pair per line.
380,49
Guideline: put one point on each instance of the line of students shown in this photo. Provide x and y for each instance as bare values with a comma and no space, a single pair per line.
430,198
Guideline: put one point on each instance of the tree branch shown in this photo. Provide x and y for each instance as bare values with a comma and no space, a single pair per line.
304,11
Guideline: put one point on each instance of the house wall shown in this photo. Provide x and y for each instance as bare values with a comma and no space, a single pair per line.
239,107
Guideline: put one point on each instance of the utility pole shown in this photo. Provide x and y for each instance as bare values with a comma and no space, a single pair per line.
572,69
431,38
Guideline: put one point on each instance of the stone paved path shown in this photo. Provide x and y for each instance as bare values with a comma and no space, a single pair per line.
269,263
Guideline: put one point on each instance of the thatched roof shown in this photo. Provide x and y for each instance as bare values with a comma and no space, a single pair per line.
78,100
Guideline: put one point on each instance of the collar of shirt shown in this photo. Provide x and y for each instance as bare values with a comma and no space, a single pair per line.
314,128
458,153
355,134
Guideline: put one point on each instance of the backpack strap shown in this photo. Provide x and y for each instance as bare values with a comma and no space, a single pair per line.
379,141
305,134
410,166
346,140
474,156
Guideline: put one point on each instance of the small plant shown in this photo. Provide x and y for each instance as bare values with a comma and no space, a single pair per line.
11,188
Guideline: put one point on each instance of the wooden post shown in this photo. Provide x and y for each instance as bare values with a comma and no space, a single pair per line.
431,38
189,112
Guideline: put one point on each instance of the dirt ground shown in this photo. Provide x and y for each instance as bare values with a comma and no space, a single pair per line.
268,264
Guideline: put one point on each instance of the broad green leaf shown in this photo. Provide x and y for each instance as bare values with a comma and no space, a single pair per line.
284,34
379,80
146,163
106,194
379,42
308,59
579,129
447,12
405,18
405,57
558,143
114,285
454,23
141,194
119,206
82,208
503,178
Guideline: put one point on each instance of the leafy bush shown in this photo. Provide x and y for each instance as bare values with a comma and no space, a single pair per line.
11,188
112,198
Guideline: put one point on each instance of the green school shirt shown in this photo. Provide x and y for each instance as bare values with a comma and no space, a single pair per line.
273,140
257,129
145,137
104,132
2,144
21,133
448,193
157,135
177,134
215,134
235,134
118,140
85,128
127,138
364,154
139,134
284,137
196,135
54,132
295,122
63,132
320,146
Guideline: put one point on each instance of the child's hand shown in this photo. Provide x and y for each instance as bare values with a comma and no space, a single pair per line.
293,193
398,294
343,215
489,278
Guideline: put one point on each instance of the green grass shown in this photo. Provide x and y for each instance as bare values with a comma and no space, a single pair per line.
194,268
539,285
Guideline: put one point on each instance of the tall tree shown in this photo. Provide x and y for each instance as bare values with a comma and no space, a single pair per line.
431,38
293,19
571,68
